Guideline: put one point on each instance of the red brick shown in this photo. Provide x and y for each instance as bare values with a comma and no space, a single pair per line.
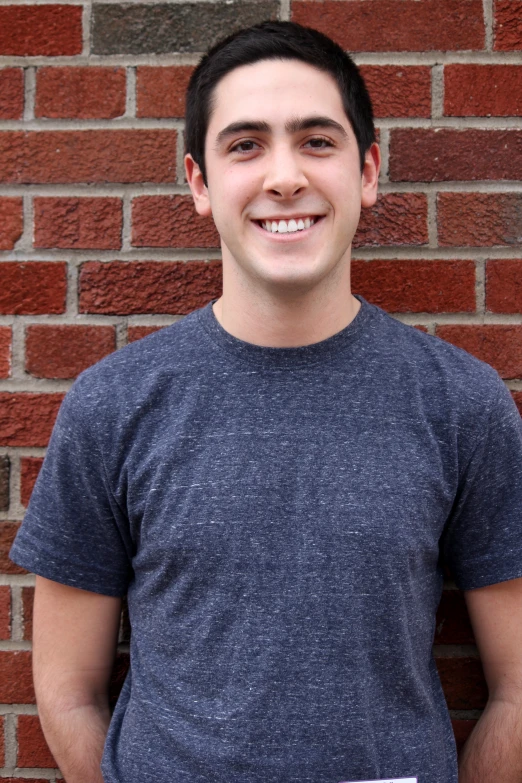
33,287
65,351
496,344
170,221
426,155
2,743
479,219
80,93
453,625
78,223
33,750
16,680
483,90
29,469
507,25
11,221
27,604
504,285
137,332
8,531
399,91
160,91
396,219
416,286
32,157
5,351
463,683
359,25
30,780
129,288
11,93
517,397
5,613
46,30
462,729
27,419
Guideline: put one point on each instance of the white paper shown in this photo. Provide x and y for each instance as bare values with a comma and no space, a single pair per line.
388,780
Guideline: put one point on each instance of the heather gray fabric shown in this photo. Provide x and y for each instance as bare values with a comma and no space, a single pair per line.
277,517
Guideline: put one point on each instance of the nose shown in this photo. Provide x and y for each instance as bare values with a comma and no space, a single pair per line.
284,175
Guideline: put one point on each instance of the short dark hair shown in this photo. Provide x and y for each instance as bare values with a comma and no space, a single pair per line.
275,40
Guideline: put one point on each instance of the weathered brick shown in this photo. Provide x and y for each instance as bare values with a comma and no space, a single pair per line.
483,90
137,332
128,288
11,93
5,351
416,286
32,157
46,30
5,469
507,25
170,221
11,222
33,750
80,93
497,344
462,729
29,470
517,397
78,222
160,91
27,608
504,285
399,91
163,28
65,351
8,531
463,682
479,219
33,287
410,26
27,419
453,625
5,612
436,155
16,681
396,219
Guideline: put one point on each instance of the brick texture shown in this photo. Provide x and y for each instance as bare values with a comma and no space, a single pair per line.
11,222
462,729
170,221
507,25
426,155
26,419
88,156
16,679
5,469
399,91
479,219
48,30
33,750
11,93
78,223
396,219
504,285
5,612
2,753
160,91
27,608
483,90
137,332
358,25
32,288
463,683
148,287
29,470
5,351
497,344
65,351
517,396
8,531
80,93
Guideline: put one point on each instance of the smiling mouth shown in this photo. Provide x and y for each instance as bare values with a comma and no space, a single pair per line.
291,226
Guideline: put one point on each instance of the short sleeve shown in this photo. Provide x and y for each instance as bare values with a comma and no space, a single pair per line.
74,531
483,537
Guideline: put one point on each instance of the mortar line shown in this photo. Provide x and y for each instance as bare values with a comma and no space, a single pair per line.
432,219
437,92
11,747
126,229
86,25
130,99
480,286
16,614
285,11
29,93
487,6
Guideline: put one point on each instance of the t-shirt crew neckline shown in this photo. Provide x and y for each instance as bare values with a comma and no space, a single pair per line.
281,358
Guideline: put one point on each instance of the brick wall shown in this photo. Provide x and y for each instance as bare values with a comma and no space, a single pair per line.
99,243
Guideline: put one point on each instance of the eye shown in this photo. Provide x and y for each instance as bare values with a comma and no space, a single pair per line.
243,146
319,143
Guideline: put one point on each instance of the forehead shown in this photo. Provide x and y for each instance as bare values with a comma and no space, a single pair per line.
270,88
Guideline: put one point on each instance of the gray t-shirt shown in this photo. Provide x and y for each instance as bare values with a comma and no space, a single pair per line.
278,518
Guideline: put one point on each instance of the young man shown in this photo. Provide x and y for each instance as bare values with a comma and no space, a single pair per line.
274,481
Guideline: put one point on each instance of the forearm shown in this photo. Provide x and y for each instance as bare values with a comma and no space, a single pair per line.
493,752
76,738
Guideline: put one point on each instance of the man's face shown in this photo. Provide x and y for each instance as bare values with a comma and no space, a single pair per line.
279,147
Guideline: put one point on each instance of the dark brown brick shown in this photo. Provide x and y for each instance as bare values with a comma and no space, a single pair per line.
29,470
479,219
497,344
453,625
399,91
462,729
517,397
8,532
396,219
170,221
483,90
27,604
463,683
4,482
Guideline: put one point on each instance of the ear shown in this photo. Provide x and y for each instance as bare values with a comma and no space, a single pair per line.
197,186
370,176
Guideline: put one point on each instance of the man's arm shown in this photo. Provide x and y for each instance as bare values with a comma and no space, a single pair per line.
493,752
75,634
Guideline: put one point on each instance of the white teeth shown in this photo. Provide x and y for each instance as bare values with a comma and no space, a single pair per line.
287,227
307,223
292,225
300,224
282,227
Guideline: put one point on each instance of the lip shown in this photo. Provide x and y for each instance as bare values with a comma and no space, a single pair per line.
294,235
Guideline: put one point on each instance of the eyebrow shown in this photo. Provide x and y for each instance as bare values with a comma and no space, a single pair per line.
293,125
